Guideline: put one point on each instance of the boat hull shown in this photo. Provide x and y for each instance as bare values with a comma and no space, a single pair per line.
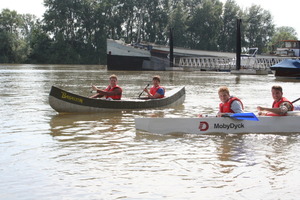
287,68
288,73
63,101
212,125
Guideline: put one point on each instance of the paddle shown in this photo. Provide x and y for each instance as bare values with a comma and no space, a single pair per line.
296,100
143,90
242,116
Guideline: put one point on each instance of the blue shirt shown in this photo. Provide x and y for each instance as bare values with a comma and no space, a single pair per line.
161,91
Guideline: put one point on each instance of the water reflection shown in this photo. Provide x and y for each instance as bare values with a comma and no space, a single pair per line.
68,127
237,79
277,156
65,127
231,148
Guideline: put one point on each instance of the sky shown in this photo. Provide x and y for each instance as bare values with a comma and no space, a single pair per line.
285,13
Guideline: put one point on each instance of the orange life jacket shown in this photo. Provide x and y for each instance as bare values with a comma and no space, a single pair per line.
114,97
226,107
277,105
154,89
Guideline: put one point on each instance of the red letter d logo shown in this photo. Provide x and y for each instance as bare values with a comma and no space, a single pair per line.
203,126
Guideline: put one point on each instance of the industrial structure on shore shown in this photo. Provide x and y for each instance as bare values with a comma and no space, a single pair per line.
121,56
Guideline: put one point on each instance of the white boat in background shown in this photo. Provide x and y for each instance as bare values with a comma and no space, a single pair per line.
288,48
212,125
249,64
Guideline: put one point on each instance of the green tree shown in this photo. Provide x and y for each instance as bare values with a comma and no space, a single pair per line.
7,54
128,13
259,27
227,39
281,33
78,29
15,33
27,25
205,25
113,13
284,33
178,21
155,23
75,32
41,47
9,33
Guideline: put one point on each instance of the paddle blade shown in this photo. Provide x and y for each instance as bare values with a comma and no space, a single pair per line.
244,116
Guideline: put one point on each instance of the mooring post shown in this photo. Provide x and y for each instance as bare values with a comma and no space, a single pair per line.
238,44
171,48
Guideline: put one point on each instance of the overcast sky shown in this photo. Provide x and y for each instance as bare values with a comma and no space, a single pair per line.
285,13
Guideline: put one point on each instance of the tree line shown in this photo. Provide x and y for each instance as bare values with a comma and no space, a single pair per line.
75,31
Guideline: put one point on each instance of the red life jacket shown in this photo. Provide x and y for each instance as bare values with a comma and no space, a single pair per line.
114,97
226,107
154,89
277,105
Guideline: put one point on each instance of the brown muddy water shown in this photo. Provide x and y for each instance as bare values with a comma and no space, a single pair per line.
46,155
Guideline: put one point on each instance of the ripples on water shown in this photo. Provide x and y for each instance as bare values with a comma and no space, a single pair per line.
45,155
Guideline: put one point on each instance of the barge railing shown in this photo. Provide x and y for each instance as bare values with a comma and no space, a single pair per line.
225,63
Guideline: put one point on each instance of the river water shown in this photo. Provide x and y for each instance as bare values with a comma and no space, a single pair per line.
46,155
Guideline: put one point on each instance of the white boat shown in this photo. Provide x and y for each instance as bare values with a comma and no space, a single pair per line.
288,48
212,125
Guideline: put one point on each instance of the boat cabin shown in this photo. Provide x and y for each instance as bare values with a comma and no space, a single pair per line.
290,48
